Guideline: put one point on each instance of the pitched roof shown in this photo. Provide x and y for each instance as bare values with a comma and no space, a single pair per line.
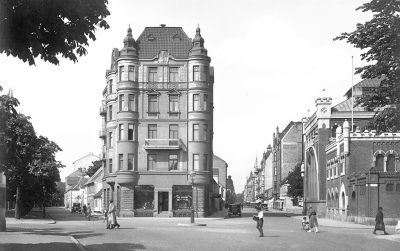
346,105
87,155
374,82
156,39
94,177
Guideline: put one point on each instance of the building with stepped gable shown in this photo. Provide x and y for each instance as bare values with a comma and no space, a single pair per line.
157,125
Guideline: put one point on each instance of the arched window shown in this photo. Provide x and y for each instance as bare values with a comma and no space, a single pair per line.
379,162
390,163
389,187
343,201
353,196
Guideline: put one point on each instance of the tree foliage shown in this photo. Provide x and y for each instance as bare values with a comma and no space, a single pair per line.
94,167
50,28
380,39
295,181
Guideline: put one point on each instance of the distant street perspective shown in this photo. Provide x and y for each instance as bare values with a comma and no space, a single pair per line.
281,231
200,125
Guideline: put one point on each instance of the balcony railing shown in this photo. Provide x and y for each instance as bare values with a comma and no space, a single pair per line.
166,144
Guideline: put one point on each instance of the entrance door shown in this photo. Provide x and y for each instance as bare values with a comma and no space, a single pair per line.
162,201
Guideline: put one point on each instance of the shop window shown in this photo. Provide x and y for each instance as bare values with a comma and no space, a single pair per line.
144,197
390,163
389,187
379,163
181,197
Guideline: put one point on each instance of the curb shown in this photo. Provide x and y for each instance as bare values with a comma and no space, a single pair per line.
77,243
192,224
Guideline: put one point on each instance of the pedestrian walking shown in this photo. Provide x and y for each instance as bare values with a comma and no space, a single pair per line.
89,212
84,208
379,224
313,220
112,215
259,218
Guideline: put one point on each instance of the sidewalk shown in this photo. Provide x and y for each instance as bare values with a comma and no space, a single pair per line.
35,234
34,216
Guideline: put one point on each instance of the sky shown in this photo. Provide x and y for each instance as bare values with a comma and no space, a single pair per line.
271,60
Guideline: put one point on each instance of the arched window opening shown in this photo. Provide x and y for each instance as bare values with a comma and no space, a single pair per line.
389,187
353,196
379,162
390,163
343,201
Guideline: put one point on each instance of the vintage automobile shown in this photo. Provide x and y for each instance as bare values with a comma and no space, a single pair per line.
76,208
234,209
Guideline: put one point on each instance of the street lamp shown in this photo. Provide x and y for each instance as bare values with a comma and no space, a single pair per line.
192,174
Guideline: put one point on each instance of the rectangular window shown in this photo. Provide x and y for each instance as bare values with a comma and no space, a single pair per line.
110,86
153,103
131,102
110,113
173,74
152,131
109,139
120,161
152,74
173,162
131,73
173,131
196,164
130,161
121,102
196,102
205,132
205,102
196,132
196,73
205,162
110,166
151,162
173,103
131,130
120,131
122,76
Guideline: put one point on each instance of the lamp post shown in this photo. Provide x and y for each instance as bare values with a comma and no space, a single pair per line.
192,174
44,199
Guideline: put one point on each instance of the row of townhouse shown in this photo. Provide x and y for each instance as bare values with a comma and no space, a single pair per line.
348,171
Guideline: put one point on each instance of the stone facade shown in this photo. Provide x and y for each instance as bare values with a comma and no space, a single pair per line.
363,173
157,125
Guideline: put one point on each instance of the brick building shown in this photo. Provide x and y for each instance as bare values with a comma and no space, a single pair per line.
157,126
287,152
319,130
362,173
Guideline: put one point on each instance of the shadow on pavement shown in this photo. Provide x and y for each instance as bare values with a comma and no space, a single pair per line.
115,246
38,247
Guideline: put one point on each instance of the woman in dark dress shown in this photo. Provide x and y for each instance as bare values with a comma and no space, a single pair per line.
379,224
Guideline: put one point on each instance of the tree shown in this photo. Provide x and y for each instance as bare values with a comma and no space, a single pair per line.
94,167
295,182
49,28
380,39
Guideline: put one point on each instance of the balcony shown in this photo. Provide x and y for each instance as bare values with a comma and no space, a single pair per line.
102,134
103,111
163,144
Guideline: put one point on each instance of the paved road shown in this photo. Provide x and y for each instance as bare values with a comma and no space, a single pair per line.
281,233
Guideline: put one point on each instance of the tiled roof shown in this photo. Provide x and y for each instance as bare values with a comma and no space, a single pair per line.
156,39
374,82
346,105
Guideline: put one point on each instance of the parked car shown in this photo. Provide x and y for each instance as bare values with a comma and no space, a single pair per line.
76,208
234,209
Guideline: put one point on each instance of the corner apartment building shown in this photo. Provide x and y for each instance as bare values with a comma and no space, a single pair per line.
157,129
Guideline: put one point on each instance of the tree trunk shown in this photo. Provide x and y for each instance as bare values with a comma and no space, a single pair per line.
43,210
18,203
